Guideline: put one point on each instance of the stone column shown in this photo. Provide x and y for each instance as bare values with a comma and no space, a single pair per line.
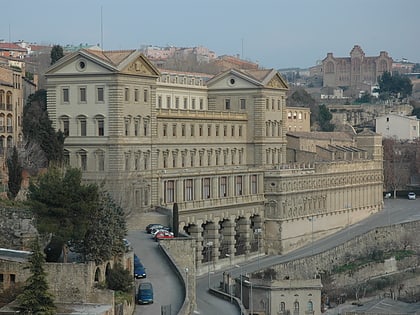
196,232
212,233
229,237
244,230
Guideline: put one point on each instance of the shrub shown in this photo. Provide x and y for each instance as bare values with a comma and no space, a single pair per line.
119,279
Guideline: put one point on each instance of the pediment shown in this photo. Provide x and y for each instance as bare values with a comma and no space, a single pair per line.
232,80
277,82
140,66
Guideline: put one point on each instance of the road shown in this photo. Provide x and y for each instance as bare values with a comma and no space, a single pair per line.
168,291
395,211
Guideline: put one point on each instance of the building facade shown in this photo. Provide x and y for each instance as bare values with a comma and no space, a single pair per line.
398,126
209,144
358,71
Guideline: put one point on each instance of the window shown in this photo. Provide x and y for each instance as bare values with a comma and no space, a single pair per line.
282,307
174,130
296,307
127,161
185,103
310,306
136,161
183,130
1,278
239,185
83,160
82,94
127,126
200,130
192,130
12,278
169,191
201,103
232,131
176,102
253,184
66,157
193,103
209,130
240,131
217,130
136,127
83,127
145,96
223,186
188,190
126,94
227,104
225,131
242,103
100,161
168,102
100,94
160,101
206,188
136,95
66,127
66,95
165,130
101,128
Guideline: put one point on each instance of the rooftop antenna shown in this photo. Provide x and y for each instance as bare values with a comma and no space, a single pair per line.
102,32
242,49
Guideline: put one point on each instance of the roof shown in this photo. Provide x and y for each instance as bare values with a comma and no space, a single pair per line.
322,135
114,57
14,255
387,306
11,46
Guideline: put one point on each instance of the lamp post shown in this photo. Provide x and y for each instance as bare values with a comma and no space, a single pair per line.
230,276
257,232
209,245
237,266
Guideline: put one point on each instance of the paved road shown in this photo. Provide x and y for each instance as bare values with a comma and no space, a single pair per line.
395,211
166,287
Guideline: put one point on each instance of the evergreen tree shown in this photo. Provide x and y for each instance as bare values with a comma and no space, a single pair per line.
324,118
56,53
15,173
37,128
394,86
107,229
62,205
35,298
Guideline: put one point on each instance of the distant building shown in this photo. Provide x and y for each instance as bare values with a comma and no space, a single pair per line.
298,119
357,72
398,126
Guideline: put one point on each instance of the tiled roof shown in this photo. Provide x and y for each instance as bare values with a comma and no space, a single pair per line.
259,75
11,46
114,57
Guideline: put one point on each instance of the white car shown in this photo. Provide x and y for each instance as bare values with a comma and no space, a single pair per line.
411,196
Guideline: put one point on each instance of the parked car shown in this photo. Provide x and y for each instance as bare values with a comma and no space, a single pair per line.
139,270
162,228
163,234
152,226
136,259
145,293
411,196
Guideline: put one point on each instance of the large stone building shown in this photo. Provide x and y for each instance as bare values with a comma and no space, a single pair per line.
357,72
216,146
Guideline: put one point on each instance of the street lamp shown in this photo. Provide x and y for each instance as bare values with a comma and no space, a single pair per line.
209,245
229,278
257,232
240,267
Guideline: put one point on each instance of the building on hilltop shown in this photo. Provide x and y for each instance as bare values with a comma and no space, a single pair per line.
357,72
214,145
398,126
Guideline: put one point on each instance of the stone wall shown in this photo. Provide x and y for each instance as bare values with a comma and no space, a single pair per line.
181,252
395,236
16,228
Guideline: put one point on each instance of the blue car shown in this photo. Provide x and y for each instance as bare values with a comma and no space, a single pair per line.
139,270
145,293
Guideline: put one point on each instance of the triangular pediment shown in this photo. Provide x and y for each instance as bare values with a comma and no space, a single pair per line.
233,79
277,82
140,66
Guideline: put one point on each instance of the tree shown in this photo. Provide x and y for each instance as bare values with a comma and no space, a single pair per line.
62,205
106,231
35,298
302,98
56,53
119,279
15,173
394,86
37,128
324,119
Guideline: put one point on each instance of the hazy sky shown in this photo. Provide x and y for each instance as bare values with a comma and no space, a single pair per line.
274,33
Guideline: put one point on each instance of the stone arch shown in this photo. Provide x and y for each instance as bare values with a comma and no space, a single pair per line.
98,277
329,67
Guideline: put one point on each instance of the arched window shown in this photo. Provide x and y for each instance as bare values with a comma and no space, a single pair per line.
310,306
329,67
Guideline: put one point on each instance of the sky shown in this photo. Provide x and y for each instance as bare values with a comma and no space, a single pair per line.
274,33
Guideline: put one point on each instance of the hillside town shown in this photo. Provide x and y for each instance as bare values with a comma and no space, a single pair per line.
235,164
